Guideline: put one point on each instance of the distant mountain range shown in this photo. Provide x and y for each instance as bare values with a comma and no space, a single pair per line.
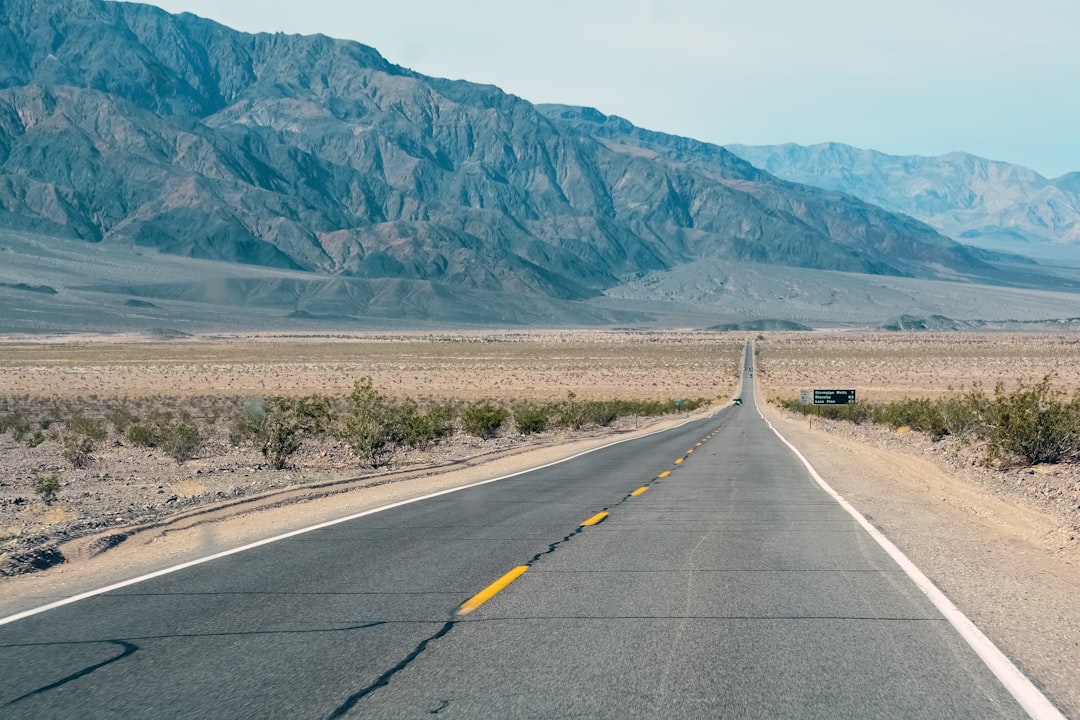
128,127
994,205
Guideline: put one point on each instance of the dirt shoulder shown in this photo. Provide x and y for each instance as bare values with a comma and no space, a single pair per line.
93,561
1008,558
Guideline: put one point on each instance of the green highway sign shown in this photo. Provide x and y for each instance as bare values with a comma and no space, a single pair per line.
834,397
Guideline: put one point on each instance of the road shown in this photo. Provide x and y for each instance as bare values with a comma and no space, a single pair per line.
732,586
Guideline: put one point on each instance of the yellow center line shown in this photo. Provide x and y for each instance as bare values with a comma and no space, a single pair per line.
489,592
640,490
598,517
698,444
664,474
690,451
679,461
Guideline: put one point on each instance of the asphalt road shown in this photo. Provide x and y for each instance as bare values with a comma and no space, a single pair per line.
731,587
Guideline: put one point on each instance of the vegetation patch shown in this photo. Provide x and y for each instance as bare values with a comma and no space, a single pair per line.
1030,425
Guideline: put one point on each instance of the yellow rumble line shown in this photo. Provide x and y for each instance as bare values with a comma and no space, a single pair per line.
598,517
640,490
664,474
489,592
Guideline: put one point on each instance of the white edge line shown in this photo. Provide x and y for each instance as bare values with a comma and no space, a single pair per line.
1022,689
225,553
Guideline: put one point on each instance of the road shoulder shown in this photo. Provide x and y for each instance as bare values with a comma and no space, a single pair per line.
994,558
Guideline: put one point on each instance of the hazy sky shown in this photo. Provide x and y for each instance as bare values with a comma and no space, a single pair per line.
998,78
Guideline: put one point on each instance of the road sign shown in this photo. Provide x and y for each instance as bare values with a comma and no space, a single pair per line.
804,397
833,397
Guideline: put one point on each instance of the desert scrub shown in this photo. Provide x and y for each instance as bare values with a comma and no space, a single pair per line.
17,423
278,425
962,416
483,419
179,436
47,486
182,440
120,418
571,413
576,414
366,428
374,426
856,412
1033,424
79,437
408,427
529,419
151,431
1030,425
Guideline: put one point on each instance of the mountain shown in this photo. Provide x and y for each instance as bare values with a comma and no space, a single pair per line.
361,181
991,204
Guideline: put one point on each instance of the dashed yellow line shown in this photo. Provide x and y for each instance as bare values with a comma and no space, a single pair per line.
664,474
640,490
679,461
698,444
489,592
690,451
597,518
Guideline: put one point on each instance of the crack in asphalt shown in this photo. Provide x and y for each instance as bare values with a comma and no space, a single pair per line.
384,679
234,633
555,545
128,650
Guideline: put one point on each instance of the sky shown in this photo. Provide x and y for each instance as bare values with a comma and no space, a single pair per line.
996,78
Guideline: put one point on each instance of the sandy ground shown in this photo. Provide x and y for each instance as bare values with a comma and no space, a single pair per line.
502,365
891,366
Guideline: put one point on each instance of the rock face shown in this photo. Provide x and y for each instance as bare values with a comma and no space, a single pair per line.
991,204
125,125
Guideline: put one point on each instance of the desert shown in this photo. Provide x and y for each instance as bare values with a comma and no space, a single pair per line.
1002,541
886,366
120,382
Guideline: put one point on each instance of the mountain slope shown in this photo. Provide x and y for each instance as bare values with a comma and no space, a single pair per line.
885,243
992,204
120,123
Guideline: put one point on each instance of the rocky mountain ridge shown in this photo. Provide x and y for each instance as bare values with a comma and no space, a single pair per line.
992,204
123,125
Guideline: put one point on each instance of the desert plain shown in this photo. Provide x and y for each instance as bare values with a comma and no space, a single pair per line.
465,366
887,366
